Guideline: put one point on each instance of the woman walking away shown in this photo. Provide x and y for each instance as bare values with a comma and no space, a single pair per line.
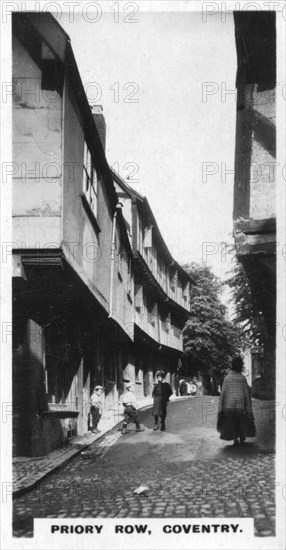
161,394
235,417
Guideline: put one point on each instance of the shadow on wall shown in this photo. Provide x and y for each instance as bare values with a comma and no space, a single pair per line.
263,388
38,427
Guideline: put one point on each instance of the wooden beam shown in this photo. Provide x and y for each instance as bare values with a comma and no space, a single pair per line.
243,144
249,244
251,226
264,129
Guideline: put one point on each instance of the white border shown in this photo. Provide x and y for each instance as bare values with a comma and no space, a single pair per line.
203,542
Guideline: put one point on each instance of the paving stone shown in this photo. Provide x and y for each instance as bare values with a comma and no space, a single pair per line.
220,487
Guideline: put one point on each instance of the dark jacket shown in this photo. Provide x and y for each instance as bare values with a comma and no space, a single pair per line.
162,389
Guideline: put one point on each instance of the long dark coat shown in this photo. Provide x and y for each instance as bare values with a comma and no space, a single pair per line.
161,393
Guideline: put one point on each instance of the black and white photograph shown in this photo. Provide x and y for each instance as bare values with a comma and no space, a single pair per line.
143,274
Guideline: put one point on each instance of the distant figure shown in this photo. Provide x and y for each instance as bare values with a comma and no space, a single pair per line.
188,388
161,394
183,388
235,417
213,386
193,388
131,407
176,383
96,406
200,387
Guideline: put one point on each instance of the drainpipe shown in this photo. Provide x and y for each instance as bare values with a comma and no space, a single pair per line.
112,257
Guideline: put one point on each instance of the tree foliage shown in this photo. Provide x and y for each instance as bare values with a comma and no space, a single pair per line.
210,339
248,315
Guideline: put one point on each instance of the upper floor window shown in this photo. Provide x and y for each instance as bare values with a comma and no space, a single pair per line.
140,234
186,290
159,269
52,73
148,236
167,323
152,310
120,259
173,279
177,331
138,297
129,277
161,272
90,180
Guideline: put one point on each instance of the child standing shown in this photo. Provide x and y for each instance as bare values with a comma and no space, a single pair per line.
131,413
96,406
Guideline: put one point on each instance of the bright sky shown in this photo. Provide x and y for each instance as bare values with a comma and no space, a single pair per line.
182,142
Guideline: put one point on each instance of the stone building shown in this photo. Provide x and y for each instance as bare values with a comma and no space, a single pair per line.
161,295
72,312
97,296
254,211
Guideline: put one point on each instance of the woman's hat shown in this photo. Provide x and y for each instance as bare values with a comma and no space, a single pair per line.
160,373
99,388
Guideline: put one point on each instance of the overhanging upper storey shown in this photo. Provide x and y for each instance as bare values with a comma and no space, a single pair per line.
154,265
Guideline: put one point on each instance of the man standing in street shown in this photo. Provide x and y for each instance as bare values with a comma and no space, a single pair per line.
96,406
161,395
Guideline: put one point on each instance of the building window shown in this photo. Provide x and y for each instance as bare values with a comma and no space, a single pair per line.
90,180
177,332
154,314
159,270
186,291
173,273
139,298
140,234
167,323
60,344
148,236
109,361
152,311
52,73
120,258
57,379
137,374
129,277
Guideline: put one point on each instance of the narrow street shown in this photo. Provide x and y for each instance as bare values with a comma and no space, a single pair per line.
141,263
189,471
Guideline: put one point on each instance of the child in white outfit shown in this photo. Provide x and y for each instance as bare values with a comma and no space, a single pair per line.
131,413
96,406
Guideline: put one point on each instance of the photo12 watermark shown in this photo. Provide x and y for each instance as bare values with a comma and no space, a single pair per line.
224,10
91,12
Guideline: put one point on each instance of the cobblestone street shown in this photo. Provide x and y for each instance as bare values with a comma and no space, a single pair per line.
189,472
